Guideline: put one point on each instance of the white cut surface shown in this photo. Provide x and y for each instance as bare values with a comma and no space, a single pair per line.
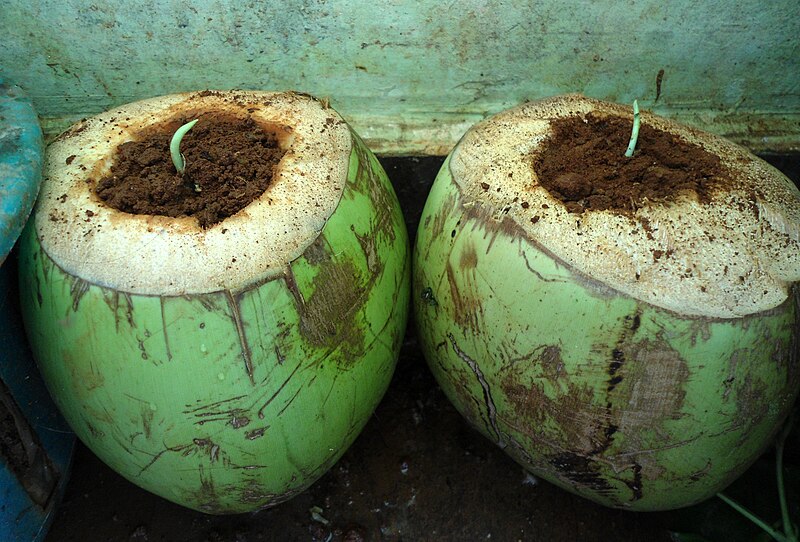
735,255
158,255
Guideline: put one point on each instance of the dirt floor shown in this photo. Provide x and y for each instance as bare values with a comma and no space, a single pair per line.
416,473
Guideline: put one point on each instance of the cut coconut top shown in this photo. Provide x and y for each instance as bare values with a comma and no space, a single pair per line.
159,255
734,255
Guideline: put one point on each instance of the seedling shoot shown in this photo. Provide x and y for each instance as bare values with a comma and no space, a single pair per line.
635,131
175,146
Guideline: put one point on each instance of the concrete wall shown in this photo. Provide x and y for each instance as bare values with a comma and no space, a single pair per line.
413,75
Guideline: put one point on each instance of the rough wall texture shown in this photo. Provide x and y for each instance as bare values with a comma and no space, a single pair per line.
411,76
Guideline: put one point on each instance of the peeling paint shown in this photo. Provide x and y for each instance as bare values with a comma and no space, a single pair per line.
713,76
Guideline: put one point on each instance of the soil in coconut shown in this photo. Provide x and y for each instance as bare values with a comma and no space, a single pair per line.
583,164
230,162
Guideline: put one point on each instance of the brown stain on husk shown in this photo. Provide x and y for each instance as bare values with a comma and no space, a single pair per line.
329,315
468,259
572,413
467,308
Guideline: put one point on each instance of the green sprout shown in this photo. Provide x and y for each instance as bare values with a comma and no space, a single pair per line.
790,532
175,146
635,131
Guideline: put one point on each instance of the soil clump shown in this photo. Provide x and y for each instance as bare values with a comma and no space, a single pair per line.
230,162
583,164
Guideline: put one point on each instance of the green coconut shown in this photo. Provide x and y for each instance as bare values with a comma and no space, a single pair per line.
224,368
642,360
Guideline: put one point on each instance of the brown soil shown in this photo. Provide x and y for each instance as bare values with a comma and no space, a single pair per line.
229,163
583,164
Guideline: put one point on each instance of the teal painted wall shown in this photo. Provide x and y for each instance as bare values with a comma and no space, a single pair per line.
413,75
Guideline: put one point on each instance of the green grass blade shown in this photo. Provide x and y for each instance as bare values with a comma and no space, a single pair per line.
752,517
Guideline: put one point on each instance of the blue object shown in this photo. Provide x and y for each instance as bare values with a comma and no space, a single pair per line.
21,152
36,445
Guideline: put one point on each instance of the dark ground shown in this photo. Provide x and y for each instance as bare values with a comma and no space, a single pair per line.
416,473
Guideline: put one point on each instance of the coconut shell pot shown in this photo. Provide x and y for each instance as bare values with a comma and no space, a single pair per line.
641,356
222,366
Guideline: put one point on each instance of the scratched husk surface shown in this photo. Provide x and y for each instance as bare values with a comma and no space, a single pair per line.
232,400
610,397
